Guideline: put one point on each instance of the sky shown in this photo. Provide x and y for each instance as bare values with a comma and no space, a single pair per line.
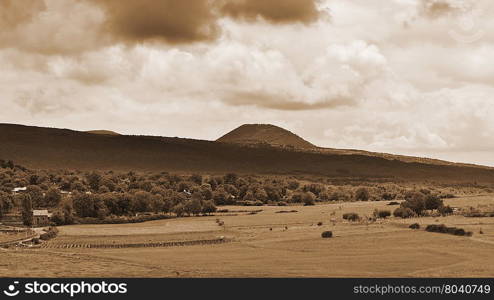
412,77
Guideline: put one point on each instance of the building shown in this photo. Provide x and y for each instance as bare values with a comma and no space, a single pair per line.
18,190
41,217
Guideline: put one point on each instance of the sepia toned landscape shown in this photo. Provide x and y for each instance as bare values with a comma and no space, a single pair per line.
252,223
246,139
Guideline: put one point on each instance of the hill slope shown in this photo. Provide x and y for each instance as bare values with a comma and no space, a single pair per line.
254,134
47,148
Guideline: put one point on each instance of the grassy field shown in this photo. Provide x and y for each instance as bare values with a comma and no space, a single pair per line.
271,244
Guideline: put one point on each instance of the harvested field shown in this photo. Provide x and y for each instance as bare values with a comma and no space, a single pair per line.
268,244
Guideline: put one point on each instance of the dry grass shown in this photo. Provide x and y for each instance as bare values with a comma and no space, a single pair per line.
269,244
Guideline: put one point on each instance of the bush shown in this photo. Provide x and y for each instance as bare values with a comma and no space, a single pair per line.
404,212
51,233
445,210
382,213
327,234
309,199
58,219
362,194
448,230
414,226
415,201
351,217
433,202
319,224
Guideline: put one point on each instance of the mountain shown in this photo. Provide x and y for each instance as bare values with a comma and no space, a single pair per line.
104,132
259,134
51,148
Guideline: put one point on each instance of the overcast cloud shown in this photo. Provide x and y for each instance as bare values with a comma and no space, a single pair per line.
403,76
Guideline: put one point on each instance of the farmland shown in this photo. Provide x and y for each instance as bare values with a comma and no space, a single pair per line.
269,244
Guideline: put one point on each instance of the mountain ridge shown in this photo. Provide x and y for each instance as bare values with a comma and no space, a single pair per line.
51,148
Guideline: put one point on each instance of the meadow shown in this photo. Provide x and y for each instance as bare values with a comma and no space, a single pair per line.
268,243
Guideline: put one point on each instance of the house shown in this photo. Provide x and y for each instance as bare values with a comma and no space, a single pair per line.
18,190
41,217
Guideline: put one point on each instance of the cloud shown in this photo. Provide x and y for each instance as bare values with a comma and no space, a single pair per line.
275,11
14,12
42,26
166,20
436,8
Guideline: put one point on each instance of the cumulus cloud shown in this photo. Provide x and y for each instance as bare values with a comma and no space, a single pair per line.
437,8
14,13
168,20
43,27
143,67
276,11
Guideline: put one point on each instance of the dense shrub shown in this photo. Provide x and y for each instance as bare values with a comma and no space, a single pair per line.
379,213
415,201
362,194
308,198
351,216
327,234
448,230
404,212
51,233
433,202
445,210
414,226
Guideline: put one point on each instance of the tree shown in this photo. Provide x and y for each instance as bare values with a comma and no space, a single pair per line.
308,198
84,205
404,212
208,207
261,195
416,202
27,209
296,198
293,185
58,218
179,210
93,179
2,208
142,201
362,194
196,178
157,203
124,203
206,191
274,194
230,178
433,202
193,206
53,197
36,194
67,214
220,197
